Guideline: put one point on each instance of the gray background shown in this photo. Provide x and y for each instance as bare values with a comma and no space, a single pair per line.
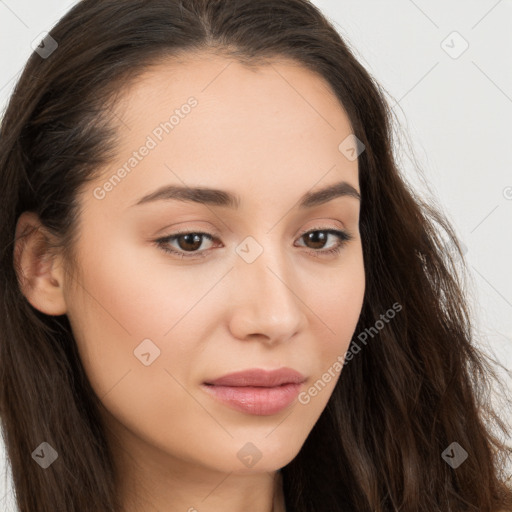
455,112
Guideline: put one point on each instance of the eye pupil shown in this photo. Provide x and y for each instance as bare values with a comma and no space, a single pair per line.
314,236
191,238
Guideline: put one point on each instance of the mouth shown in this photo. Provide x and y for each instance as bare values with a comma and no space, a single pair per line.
257,391
260,401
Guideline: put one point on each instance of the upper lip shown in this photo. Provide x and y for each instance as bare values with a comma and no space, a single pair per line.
259,377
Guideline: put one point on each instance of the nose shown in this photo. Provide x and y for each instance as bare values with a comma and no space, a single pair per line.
265,301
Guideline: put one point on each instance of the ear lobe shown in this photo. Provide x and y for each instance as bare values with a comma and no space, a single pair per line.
39,270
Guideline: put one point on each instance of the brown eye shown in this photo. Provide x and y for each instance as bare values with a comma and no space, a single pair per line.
317,239
187,242
191,241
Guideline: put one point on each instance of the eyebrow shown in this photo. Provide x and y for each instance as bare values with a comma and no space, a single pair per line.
216,197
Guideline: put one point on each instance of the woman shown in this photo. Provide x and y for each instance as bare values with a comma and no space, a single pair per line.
219,293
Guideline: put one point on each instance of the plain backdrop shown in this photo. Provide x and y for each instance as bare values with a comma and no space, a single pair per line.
445,67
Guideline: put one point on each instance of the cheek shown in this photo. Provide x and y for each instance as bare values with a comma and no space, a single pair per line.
120,317
335,305
124,298
337,301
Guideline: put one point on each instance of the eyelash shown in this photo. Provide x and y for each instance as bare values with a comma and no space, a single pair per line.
343,237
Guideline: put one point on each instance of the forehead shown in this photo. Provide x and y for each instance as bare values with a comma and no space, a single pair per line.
276,125
271,94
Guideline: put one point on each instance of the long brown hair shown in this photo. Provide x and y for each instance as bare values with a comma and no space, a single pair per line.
417,386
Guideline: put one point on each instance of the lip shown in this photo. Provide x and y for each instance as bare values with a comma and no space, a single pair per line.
260,378
257,391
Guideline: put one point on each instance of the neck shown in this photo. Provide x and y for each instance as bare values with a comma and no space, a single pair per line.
278,502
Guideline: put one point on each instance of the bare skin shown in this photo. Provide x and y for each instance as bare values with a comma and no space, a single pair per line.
269,135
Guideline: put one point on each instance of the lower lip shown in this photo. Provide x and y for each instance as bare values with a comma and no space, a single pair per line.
255,400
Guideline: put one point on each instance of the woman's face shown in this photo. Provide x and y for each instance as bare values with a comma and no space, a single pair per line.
153,327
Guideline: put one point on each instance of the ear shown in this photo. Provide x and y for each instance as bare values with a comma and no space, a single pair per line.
40,272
